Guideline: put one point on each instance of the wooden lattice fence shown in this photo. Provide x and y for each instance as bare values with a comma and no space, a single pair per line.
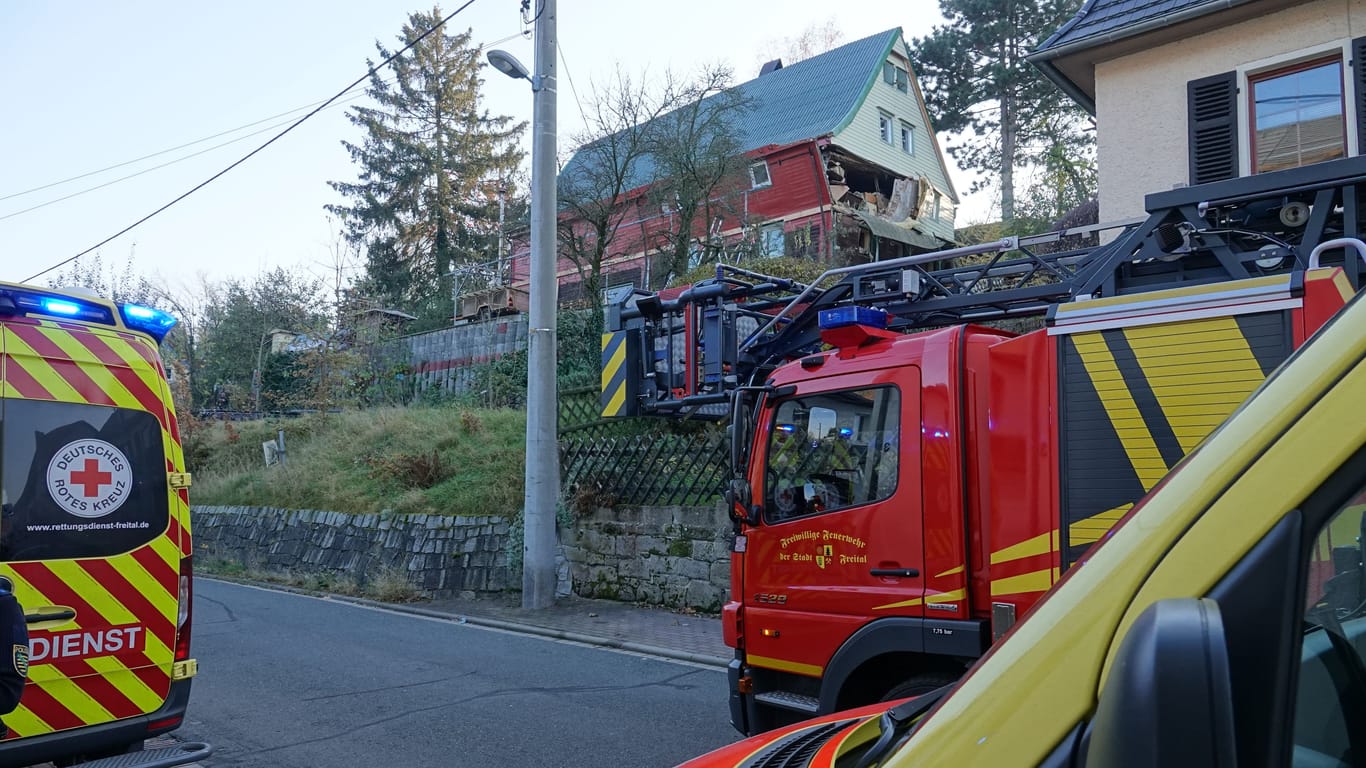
657,469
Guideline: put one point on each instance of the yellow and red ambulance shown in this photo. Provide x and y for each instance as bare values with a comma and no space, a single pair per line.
95,526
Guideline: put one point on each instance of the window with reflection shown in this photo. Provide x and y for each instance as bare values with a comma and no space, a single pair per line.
1298,115
831,451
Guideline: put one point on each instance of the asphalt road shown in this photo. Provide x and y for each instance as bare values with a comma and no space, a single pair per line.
289,681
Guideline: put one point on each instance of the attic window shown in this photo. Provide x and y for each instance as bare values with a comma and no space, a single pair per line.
895,76
884,125
758,175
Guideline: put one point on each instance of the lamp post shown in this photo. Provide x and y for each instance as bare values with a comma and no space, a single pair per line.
542,445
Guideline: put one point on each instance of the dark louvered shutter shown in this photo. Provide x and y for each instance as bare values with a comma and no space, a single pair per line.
1213,121
1359,90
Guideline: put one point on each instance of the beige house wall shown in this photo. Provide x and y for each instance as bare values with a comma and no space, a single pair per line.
1141,127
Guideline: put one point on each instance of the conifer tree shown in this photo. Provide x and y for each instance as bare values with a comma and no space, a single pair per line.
979,85
429,163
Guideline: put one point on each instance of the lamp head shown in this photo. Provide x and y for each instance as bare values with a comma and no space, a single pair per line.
508,64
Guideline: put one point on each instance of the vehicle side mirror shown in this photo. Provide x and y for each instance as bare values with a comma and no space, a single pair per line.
1168,700
738,501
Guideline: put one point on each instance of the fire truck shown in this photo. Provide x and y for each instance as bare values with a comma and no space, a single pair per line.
908,477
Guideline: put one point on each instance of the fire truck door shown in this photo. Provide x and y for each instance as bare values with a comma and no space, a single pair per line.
840,541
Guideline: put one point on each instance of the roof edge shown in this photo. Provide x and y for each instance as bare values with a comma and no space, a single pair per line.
1133,30
893,36
1065,84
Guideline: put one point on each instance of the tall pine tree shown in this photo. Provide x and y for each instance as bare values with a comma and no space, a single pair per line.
430,163
978,85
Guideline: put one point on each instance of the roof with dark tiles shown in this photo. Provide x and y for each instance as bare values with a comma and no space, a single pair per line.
1100,18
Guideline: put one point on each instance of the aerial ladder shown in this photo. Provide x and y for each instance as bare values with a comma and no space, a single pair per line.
682,353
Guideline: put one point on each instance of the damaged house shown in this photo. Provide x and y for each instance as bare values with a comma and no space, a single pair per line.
842,166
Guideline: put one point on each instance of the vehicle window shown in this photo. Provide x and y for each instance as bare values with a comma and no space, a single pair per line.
1330,705
79,480
831,451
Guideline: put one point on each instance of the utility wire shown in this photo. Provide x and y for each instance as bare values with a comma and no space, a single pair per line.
181,159
572,89
272,140
165,151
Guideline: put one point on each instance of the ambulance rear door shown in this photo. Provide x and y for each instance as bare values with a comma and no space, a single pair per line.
88,532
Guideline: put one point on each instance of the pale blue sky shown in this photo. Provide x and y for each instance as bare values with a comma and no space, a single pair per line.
91,84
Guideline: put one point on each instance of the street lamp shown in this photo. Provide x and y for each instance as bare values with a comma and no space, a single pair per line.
542,444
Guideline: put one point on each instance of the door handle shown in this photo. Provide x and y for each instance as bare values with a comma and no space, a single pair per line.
905,573
55,613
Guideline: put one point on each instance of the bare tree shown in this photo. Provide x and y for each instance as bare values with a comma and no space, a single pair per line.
605,168
699,165
816,39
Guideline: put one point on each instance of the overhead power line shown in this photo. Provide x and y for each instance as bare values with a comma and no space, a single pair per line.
270,141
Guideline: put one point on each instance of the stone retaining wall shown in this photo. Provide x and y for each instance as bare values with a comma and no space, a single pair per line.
677,557
443,556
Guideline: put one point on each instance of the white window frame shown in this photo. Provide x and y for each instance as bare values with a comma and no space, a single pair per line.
1249,71
900,76
907,137
754,182
770,234
885,122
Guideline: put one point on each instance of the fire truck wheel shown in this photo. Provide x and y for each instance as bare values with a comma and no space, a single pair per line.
919,685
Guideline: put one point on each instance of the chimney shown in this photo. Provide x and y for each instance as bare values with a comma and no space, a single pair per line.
772,66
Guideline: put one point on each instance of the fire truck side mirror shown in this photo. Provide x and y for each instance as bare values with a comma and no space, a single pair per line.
738,501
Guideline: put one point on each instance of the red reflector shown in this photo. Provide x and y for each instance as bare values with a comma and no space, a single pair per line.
165,723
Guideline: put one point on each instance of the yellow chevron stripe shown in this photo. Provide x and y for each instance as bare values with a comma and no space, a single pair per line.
1210,384
1037,581
1119,405
74,698
949,572
946,597
113,611
1094,527
95,369
1038,545
796,667
165,603
129,685
24,356
25,723
611,366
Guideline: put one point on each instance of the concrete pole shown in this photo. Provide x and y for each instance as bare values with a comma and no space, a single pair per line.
542,445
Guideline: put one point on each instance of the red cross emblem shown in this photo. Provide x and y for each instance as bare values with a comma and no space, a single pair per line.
91,478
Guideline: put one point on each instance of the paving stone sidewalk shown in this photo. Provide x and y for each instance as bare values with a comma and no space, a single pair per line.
656,631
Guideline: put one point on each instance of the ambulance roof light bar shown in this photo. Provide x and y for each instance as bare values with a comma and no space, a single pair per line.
153,322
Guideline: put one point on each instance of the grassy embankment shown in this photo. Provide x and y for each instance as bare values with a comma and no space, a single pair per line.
436,460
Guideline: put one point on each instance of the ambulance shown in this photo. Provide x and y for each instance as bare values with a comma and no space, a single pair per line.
95,526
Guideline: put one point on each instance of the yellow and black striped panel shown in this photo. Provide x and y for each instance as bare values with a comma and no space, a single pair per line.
620,373
1134,401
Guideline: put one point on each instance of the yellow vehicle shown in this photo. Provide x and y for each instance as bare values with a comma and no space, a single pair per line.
1222,622
95,528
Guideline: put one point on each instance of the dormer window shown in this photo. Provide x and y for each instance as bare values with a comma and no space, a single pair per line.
896,76
758,175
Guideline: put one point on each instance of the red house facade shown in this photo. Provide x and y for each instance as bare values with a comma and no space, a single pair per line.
843,166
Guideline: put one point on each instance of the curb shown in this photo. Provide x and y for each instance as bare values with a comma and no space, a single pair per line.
503,624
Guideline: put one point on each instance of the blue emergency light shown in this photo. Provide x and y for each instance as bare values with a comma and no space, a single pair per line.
152,322
25,301
843,316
